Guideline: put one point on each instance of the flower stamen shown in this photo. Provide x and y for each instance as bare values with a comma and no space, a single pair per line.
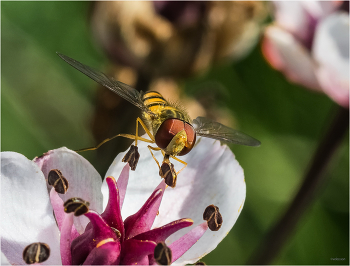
132,157
167,172
58,181
36,253
213,217
162,254
76,205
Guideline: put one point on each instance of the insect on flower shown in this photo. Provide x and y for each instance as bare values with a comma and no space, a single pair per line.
168,125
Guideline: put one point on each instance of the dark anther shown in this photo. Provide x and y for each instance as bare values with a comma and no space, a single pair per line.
167,172
213,217
200,263
132,157
117,232
76,205
162,254
58,181
36,253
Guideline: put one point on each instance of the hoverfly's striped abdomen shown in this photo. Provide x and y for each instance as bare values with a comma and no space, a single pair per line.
155,102
153,99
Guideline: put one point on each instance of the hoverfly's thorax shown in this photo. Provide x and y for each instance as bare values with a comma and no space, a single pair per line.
175,136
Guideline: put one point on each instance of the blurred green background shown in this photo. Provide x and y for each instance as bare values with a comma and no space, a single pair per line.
46,105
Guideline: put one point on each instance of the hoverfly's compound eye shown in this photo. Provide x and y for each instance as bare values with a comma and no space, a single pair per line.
169,128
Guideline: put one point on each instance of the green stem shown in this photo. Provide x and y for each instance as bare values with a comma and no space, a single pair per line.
275,239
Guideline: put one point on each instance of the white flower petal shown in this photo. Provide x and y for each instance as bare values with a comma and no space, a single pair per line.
331,52
287,55
213,176
83,179
26,213
320,9
292,16
4,260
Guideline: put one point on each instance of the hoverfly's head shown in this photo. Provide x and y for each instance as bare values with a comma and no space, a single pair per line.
175,137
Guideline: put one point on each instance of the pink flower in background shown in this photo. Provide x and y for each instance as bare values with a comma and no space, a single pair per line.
107,233
309,44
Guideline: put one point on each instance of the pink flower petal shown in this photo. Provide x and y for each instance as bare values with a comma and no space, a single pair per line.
84,181
320,9
292,16
26,211
331,52
334,87
287,55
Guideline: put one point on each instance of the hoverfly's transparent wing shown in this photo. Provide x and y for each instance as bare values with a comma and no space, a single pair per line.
123,90
207,128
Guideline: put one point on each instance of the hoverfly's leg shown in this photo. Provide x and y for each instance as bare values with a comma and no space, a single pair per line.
155,149
132,156
106,140
138,120
184,163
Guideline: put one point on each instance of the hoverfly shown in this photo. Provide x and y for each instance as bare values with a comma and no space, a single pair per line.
167,125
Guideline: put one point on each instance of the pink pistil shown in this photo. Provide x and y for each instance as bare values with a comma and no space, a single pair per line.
180,246
142,220
112,214
108,240
122,183
106,254
137,251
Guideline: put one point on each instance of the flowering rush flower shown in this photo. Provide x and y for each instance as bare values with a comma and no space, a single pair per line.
309,44
116,225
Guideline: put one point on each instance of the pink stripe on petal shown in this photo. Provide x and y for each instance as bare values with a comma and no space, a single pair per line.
112,214
162,233
66,239
57,205
142,220
180,246
122,183
136,252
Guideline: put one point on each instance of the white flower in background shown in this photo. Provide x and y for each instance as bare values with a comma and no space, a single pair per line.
213,176
309,44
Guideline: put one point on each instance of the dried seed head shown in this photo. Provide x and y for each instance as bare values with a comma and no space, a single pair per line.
167,172
58,181
36,253
162,254
132,157
76,205
213,217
